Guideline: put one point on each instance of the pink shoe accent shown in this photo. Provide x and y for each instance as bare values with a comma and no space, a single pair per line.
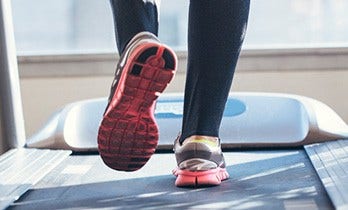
211,177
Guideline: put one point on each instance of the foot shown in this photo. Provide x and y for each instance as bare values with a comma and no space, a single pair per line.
200,162
128,133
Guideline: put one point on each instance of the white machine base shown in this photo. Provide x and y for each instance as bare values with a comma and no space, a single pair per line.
250,120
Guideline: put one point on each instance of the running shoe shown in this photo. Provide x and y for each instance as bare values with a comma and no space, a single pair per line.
128,133
200,163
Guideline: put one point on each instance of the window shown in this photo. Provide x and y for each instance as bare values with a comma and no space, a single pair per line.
297,23
50,26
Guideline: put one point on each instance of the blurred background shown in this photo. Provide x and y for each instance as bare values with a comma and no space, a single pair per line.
47,26
66,51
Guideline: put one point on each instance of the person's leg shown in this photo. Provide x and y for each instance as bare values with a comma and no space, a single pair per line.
216,33
132,17
128,133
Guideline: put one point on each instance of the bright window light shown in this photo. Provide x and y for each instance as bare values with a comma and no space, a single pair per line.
82,26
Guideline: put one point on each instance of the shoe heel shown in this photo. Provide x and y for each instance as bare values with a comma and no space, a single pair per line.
211,177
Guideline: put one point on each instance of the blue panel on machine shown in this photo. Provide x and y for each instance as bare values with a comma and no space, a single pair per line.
174,108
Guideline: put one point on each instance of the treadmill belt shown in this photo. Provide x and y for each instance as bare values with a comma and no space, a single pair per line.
266,179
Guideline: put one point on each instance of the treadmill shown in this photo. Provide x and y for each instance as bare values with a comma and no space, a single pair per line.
282,151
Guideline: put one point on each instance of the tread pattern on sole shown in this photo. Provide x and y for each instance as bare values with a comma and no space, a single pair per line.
128,134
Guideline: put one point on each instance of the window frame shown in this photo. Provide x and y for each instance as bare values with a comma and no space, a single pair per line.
103,64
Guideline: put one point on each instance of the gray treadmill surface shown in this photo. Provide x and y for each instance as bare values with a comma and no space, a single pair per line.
266,179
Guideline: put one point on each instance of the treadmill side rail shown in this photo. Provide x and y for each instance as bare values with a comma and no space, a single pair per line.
21,168
330,162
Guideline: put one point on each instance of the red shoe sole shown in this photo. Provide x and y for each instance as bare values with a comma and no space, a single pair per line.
211,177
128,134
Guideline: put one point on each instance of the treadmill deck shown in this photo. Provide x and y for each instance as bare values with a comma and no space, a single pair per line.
266,179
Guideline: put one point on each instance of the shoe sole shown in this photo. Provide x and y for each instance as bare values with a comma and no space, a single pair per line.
128,134
205,178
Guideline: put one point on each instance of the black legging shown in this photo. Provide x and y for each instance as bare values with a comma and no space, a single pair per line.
216,33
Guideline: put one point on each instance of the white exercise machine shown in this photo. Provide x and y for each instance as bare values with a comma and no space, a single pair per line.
250,120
